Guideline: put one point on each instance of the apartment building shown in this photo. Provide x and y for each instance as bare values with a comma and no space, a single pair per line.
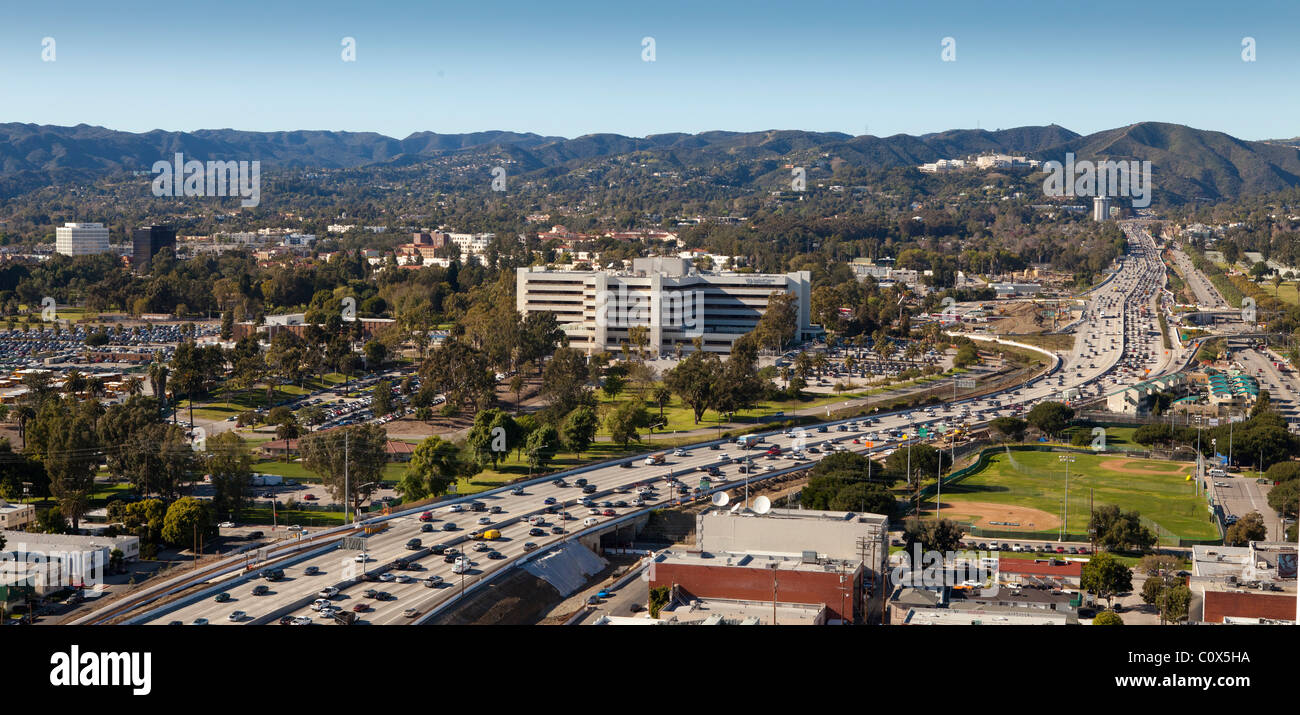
596,309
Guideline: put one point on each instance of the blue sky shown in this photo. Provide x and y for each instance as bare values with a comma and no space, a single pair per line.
572,68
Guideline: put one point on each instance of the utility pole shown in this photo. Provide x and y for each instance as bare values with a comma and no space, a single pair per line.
347,495
1065,510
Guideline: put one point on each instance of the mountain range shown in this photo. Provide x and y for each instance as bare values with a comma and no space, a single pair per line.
1188,164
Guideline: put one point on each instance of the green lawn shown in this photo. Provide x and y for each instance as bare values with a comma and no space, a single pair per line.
1155,488
681,418
284,517
1115,436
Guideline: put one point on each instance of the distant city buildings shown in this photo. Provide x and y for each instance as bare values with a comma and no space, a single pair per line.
81,239
982,163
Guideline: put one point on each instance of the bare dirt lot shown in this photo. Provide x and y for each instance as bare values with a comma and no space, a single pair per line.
984,514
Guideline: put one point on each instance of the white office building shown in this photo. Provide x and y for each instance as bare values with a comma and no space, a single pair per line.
81,239
1101,208
675,302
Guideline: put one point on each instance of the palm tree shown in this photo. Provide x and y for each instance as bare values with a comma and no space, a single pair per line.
820,362
158,383
134,385
661,396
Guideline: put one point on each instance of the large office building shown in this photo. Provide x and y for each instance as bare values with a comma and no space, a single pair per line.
81,239
678,304
146,243
1100,208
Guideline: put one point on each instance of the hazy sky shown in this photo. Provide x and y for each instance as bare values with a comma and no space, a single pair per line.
572,68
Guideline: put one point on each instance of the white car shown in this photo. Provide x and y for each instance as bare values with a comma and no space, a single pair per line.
226,525
302,621
403,578
680,453
456,508
328,592
361,558
387,577
236,616
320,603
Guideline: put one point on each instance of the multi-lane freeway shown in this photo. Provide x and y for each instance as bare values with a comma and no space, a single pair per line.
1115,346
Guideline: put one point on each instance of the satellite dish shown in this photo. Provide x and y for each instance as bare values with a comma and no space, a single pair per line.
720,499
762,505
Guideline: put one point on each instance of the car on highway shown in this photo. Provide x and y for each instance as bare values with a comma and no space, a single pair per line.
536,532
222,597
432,581
426,528
449,526
495,555
261,590
387,577
328,592
411,612
361,608
199,622
361,558
236,616
311,571
530,546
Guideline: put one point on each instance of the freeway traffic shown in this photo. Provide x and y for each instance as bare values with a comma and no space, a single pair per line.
1116,347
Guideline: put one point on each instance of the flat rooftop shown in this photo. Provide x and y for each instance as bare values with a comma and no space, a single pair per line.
806,515
719,611
779,561
979,617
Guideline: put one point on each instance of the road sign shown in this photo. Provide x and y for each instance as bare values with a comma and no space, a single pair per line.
966,383
354,543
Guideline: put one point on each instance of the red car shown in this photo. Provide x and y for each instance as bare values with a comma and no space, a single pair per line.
1060,549
361,607
774,451
608,512
426,516
309,497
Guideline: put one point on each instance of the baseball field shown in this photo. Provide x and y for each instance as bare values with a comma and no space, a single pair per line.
1027,495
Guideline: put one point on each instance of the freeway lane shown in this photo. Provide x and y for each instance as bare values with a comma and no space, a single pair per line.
1115,316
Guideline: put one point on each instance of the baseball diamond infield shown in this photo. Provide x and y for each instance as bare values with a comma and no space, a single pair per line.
1159,490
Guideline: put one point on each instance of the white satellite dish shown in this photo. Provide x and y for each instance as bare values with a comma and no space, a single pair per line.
762,505
720,499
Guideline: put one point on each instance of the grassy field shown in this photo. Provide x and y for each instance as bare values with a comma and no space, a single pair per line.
681,418
1155,488
1115,436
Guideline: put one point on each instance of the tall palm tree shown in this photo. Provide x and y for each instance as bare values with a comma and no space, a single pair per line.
158,383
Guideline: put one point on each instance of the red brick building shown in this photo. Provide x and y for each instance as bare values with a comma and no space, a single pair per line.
1220,604
747,577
